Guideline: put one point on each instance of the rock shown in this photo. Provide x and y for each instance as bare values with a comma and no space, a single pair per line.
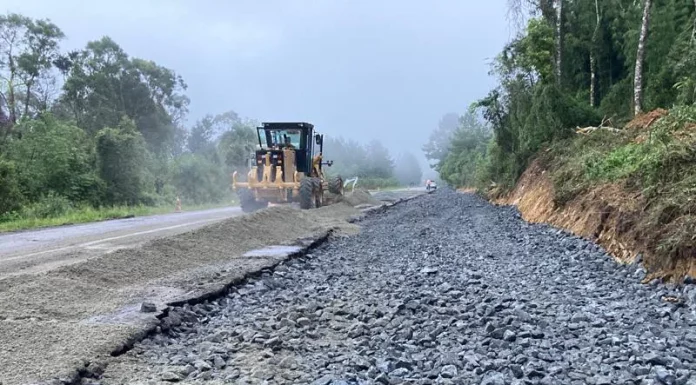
448,371
303,321
201,365
148,307
655,359
664,376
400,372
273,342
218,362
516,371
324,380
171,376
493,378
509,336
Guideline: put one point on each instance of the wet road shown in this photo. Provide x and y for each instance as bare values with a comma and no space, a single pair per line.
41,250
37,251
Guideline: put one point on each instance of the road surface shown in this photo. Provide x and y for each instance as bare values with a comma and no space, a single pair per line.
41,250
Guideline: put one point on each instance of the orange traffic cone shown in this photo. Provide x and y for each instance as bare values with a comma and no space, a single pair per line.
178,205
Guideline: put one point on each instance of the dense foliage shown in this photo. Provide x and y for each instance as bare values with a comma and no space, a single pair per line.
600,62
98,128
371,163
598,66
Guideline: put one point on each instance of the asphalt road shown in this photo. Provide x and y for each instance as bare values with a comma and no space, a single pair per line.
37,251
41,250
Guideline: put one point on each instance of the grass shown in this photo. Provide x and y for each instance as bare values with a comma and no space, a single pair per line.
90,214
657,163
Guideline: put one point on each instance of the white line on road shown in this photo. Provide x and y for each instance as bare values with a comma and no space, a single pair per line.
92,243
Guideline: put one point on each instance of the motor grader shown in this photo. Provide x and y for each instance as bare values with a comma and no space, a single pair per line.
286,168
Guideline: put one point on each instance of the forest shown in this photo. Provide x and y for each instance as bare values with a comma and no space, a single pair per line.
598,93
95,133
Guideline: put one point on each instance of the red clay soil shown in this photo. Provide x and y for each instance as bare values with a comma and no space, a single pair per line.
645,120
606,215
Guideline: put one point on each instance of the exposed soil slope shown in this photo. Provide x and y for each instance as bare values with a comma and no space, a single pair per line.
633,191
600,215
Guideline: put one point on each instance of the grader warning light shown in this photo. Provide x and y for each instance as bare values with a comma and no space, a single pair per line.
287,167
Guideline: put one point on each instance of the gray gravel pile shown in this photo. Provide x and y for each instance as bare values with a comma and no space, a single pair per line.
445,289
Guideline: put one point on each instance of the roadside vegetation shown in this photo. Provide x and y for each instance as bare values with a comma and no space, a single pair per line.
600,93
95,133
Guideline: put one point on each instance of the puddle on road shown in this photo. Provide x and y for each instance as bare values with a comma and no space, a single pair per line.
273,252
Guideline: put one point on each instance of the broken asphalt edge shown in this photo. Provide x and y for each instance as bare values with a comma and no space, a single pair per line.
94,369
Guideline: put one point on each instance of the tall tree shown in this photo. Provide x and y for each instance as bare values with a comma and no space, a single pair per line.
558,6
640,58
593,57
104,84
436,148
12,38
42,41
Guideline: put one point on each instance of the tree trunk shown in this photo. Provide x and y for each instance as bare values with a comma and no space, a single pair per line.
593,80
28,96
11,99
559,40
640,57
593,59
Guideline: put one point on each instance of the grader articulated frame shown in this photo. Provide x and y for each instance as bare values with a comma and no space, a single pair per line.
287,168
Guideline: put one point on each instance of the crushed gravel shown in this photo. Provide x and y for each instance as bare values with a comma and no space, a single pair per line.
445,289
73,316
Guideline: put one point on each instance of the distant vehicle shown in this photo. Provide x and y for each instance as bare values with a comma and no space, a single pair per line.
430,185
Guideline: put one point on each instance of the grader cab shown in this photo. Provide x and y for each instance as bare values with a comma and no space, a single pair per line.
287,168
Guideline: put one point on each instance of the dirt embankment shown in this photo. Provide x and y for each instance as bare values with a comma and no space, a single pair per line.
630,190
606,214
600,215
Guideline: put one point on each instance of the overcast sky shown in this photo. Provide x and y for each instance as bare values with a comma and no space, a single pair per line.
364,69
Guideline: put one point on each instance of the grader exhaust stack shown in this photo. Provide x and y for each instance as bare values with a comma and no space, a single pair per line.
287,168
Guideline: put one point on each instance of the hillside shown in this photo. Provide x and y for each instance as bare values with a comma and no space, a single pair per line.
631,190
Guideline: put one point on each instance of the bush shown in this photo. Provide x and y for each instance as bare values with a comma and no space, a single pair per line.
375,183
56,156
199,180
50,205
121,159
11,197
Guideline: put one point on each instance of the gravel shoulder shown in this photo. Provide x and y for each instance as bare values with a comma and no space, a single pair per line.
74,316
446,289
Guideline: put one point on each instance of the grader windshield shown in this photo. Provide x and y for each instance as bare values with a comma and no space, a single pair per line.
279,135
271,138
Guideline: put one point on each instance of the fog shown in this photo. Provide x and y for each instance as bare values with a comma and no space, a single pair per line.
365,69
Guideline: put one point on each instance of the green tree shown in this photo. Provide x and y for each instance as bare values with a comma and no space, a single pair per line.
11,197
55,156
104,84
198,180
121,162
438,144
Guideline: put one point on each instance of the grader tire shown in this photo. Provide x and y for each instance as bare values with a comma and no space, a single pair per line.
248,202
306,193
318,193
336,185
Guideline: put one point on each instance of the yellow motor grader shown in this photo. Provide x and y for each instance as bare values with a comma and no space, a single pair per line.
286,168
